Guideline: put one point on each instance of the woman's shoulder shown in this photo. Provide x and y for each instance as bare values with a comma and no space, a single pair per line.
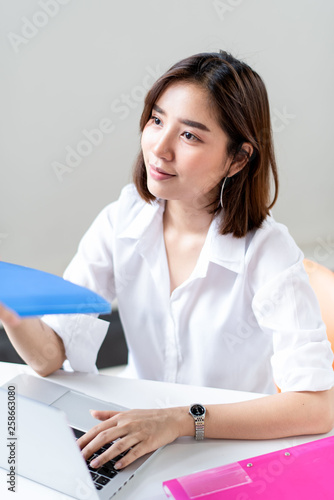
274,235
271,250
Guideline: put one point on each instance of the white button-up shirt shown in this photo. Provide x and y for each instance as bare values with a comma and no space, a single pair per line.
245,319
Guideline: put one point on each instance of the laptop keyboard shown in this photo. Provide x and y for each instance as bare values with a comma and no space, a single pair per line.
102,475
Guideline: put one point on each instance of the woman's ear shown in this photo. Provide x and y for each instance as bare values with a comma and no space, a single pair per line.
241,158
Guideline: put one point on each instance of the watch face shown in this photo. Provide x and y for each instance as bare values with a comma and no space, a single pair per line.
197,410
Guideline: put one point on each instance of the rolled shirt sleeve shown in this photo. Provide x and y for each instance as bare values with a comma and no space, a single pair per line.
287,308
82,336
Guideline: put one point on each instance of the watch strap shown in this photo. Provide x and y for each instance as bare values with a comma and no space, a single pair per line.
198,411
199,428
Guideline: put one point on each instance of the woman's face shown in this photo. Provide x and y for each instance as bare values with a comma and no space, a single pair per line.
184,147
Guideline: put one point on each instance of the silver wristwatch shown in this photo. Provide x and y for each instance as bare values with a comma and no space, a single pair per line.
197,411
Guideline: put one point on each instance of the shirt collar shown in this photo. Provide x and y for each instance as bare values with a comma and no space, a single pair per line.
224,250
150,213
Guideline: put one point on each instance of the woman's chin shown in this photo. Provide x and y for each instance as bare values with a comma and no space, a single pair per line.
157,190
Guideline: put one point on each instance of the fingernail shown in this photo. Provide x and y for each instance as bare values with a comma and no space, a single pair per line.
95,463
118,465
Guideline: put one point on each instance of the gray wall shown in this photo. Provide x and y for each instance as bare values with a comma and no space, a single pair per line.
69,66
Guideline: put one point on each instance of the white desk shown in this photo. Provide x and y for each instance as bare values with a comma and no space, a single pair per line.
181,457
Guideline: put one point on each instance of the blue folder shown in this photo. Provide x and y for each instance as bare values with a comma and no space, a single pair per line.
30,292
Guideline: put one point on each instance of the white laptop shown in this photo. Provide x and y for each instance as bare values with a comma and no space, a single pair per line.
43,447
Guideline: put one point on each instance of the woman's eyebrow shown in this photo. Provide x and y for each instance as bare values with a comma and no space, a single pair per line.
190,123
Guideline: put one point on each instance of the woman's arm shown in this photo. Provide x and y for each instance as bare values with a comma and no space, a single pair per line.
279,415
37,344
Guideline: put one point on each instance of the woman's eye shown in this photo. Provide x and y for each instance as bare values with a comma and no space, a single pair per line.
190,137
156,120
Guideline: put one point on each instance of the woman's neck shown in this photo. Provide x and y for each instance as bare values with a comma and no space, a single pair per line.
185,219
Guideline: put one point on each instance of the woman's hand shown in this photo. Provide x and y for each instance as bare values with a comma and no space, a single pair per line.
34,341
9,317
139,431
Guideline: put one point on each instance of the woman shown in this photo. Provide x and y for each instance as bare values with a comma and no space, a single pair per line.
210,289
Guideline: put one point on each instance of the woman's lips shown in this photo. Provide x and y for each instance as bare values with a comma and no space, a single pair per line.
158,174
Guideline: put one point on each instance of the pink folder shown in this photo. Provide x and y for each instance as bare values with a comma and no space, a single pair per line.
303,472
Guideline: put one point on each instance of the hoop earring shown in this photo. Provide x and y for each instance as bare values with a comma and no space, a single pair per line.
221,193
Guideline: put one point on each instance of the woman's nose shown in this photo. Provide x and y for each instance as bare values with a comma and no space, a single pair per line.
163,148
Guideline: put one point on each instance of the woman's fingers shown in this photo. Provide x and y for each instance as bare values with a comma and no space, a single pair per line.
136,451
103,414
9,317
130,434
96,430
115,452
